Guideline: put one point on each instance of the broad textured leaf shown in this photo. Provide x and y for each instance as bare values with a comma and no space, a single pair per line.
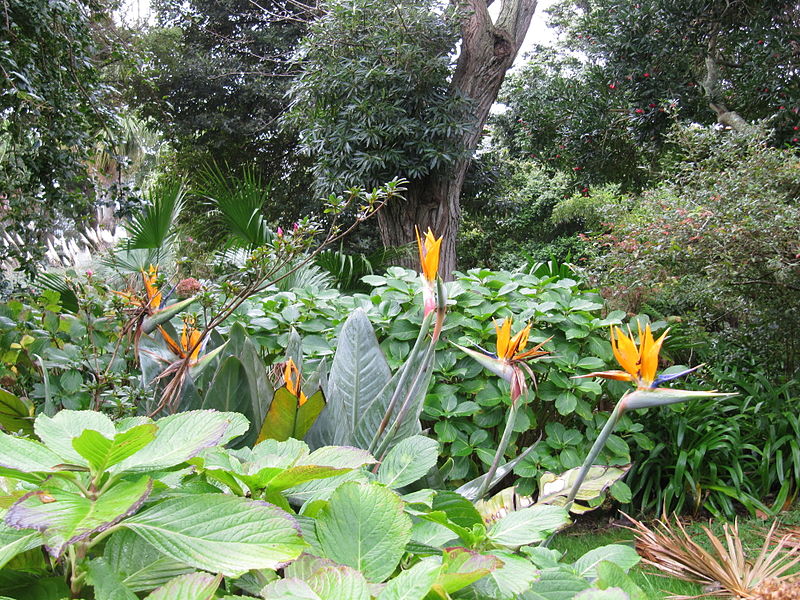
101,452
289,589
413,584
222,534
607,594
358,374
346,457
528,525
182,436
300,474
70,518
610,575
16,414
107,582
408,461
328,580
58,432
364,526
142,567
25,455
510,580
462,567
15,541
624,557
556,584
192,586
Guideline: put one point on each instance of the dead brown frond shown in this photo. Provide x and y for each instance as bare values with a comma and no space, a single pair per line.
670,548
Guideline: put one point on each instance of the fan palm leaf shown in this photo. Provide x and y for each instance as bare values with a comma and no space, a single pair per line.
154,226
239,202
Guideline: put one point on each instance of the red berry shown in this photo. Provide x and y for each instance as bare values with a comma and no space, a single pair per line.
647,74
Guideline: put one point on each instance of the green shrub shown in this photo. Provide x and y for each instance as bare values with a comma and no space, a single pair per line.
465,406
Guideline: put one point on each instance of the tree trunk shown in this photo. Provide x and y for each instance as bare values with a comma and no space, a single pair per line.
487,51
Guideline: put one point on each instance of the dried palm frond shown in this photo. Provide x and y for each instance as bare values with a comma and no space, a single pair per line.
671,549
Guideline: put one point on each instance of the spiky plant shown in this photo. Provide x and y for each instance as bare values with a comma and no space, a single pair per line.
672,550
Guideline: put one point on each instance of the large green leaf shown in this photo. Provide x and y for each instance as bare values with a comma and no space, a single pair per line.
528,525
192,586
410,386
364,526
221,534
15,541
108,584
141,567
556,584
413,584
607,594
408,461
509,581
101,452
358,374
610,575
16,414
328,580
462,567
182,436
25,455
624,557
57,432
65,518
470,489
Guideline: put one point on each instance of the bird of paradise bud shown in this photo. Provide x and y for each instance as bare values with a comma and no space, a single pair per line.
639,363
511,357
291,413
508,362
429,259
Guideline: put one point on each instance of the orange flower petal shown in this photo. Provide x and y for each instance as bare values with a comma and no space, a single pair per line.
625,351
291,378
650,352
503,338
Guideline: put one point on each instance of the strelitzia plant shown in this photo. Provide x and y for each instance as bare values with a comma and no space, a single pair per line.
639,364
509,362
434,305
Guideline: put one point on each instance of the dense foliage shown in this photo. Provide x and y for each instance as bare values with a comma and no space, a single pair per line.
54,102
372,102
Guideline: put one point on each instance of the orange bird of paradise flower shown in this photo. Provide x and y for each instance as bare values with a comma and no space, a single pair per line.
639,363
510,356
429,259
190,341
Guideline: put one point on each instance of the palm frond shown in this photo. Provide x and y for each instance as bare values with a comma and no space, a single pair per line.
239,201
154,225
347,270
